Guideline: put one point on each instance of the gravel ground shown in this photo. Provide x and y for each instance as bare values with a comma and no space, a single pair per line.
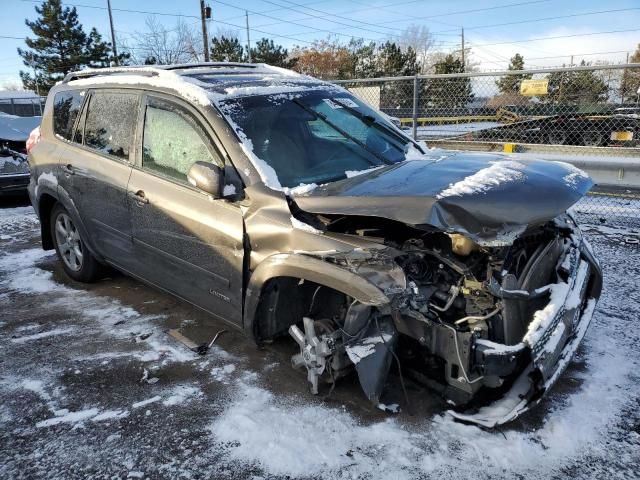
91,386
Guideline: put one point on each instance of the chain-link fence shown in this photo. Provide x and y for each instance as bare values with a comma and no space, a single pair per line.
563,113
22,106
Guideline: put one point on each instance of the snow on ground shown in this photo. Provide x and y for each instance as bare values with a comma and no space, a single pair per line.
453,129
74,405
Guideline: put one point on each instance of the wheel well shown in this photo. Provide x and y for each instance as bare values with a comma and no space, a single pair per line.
284,301
45,206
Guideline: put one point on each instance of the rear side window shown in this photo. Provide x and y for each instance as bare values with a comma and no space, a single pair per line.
66,106
110,123
173,141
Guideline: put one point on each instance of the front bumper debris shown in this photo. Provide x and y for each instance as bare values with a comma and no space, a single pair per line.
552,346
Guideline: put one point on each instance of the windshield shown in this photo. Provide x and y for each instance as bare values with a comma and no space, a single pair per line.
318,137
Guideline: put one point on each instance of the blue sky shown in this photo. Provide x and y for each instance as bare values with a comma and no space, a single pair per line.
291,22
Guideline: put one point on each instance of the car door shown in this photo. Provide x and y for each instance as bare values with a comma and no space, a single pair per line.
97,169
184,240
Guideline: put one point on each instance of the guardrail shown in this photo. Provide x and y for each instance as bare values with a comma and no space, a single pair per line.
23,106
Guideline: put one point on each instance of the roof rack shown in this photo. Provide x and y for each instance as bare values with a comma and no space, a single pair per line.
185,66
144,71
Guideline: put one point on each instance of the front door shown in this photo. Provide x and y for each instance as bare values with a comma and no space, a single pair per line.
185,241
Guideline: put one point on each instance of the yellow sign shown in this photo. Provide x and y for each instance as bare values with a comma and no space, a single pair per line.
534,87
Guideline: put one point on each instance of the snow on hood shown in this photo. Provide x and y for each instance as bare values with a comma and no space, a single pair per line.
483,180
486,197
17,129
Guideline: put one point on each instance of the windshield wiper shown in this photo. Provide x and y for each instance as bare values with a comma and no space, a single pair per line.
363,145
370,120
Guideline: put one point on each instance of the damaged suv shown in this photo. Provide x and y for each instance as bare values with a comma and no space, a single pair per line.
288,207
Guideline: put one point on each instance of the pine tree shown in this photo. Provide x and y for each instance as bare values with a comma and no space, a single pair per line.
452,92
581,87
266,51
511,83
226,49
60,46
362,60
392,60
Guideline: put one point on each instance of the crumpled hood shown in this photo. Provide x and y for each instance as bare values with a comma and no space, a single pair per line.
490,198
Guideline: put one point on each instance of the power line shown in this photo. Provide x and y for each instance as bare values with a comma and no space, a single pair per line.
474,10
126,10
518,22
557,37
287,21
271,10
328,16
334,21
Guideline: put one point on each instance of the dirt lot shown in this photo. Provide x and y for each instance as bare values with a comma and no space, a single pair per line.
91,386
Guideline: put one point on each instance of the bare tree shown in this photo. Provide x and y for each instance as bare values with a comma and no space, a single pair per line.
420,39
163,46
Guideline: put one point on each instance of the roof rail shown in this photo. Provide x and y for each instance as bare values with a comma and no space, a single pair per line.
144,71
184,66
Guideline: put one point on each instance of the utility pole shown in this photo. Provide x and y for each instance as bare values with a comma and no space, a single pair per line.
113,35
463,63
571,63
246,16
205,37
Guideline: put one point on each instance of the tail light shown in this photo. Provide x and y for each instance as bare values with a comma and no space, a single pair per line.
34,138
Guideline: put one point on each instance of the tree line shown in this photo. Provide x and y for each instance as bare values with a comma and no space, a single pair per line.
60,44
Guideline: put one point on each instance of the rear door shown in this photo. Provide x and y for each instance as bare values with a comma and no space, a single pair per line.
184,240
97,169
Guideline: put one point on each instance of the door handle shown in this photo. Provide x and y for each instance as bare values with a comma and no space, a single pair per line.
139,197
68,169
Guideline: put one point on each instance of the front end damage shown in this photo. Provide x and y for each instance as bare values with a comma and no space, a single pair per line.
490,328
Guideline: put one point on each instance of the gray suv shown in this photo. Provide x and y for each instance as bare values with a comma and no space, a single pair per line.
288,207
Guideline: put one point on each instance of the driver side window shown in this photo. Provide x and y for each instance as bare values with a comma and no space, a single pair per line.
173,141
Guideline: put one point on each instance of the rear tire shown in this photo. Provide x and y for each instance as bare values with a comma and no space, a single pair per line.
76,259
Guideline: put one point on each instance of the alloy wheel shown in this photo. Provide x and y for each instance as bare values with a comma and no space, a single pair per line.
69,242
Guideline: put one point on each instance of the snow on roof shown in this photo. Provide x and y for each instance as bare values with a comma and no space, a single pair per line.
131,76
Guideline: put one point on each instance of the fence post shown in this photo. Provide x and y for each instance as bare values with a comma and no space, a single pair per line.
13,107
416,82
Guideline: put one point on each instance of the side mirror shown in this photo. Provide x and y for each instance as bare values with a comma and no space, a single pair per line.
207,177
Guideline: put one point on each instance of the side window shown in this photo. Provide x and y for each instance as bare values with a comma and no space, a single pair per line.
173,141
66,106
110,123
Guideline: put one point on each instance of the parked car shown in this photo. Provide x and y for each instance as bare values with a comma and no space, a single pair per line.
284,205
14,168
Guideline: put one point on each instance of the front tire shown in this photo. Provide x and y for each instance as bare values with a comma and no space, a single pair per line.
77,260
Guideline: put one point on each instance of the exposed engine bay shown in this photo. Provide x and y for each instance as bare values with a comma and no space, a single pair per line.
469,321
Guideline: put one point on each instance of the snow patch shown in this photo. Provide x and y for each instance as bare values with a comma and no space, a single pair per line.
68,417
162,79
488,178
301,189
110,415
228,190
146,402
304,226
38,336
221,374
355,173
365,347
181,394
